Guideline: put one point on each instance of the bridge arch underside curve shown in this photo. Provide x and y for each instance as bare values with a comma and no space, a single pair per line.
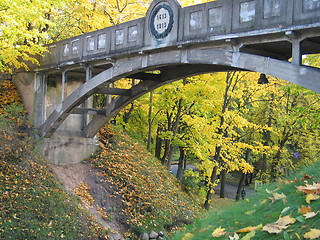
172,65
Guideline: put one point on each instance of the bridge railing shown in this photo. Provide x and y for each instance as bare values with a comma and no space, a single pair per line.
204,22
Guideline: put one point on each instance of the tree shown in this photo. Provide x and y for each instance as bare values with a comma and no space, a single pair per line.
24,29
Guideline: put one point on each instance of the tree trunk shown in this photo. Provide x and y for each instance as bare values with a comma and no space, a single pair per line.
158,143
166,151
150,122
210,191
240,184
175,128
181,164
222,183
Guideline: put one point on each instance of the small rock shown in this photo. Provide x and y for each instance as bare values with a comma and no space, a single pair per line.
144,236
153,235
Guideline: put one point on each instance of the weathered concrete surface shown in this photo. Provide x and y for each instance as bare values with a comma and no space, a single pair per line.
64,150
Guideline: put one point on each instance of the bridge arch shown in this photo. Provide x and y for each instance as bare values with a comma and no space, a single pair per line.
173,65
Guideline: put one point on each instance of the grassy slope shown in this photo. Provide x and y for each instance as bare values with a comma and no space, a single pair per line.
153,197
32,203
261,210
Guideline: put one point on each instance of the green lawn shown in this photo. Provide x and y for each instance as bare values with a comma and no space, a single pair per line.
274,200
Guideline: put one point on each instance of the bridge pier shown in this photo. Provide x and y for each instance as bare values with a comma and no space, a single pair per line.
41,94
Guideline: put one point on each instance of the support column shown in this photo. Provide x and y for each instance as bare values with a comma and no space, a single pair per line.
39,103
295,40
296,52
63,81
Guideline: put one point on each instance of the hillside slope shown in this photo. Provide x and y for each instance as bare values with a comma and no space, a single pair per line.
126,190
152,197
33,204
287,209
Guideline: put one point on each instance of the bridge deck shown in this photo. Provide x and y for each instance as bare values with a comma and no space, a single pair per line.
266,28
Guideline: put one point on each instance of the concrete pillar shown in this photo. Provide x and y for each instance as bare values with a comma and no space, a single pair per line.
296,52
39,102
63,82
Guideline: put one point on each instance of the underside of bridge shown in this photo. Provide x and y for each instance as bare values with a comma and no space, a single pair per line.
60,94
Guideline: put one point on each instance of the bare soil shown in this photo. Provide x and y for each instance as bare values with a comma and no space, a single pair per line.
103,193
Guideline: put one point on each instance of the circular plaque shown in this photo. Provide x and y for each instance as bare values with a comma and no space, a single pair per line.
161,21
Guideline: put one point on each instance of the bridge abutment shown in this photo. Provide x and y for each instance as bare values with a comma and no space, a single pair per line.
63,150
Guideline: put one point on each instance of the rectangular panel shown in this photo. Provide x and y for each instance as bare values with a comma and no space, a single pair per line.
195,20
215,17
75,47
65,50
310,5
119,37
90,43
247,11
132,34
271,8
102,41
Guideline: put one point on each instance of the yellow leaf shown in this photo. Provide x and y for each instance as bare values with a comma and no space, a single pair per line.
312,234
218,232
187,236
250,212
249,229
311,197
249,235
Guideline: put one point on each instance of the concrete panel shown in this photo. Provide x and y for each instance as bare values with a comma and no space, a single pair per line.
275,13
247,15
53,96
127,35
195,21
63,150
306,11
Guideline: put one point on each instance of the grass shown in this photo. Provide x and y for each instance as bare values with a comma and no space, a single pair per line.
33,205
261,210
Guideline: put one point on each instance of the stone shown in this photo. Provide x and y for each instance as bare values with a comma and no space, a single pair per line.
144,236
153,235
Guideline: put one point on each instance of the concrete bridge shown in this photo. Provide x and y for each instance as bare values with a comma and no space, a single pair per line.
168,44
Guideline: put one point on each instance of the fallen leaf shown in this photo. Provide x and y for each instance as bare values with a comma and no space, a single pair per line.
279,225
306,176
249,229
311,197
218,232
310,189
283,221
277,196
312,234
310,215
187,236
250,212
234,237
249,235
285,210
271,228
303,209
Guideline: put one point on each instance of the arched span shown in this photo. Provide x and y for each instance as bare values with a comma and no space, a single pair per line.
174,65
